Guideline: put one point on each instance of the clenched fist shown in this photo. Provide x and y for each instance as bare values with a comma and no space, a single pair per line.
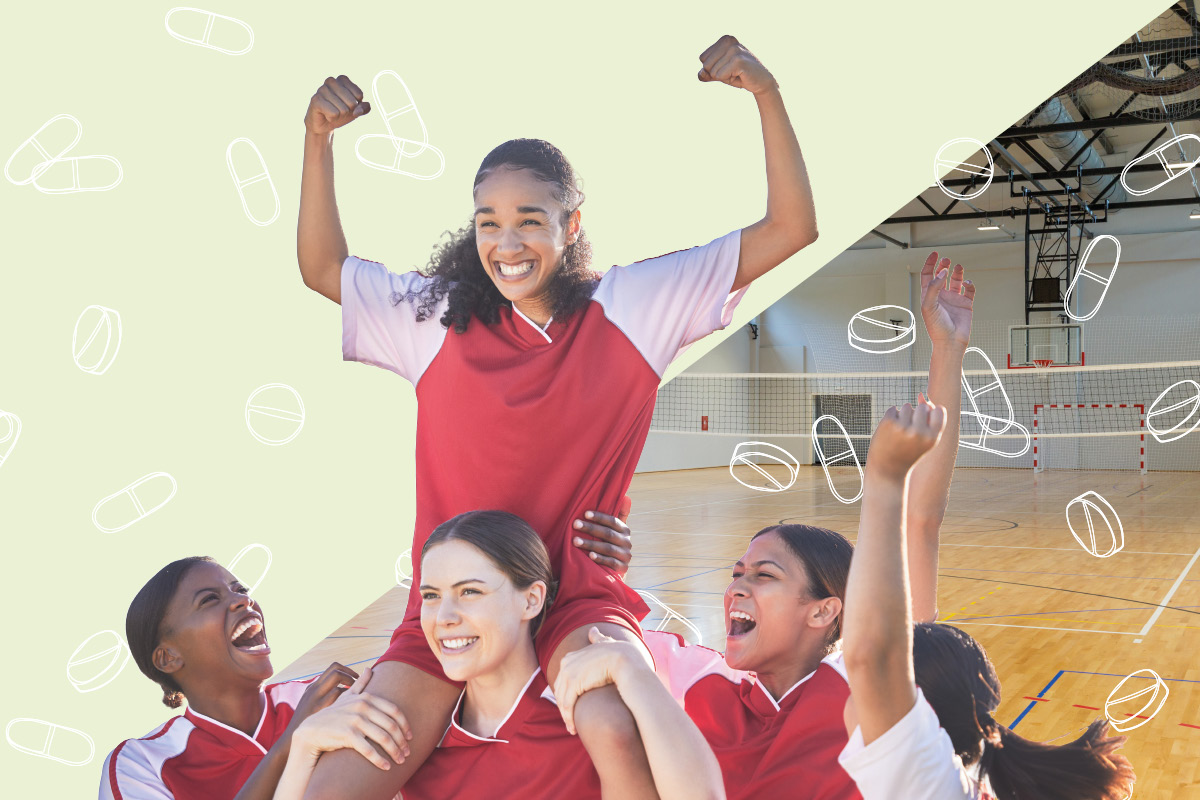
903,436
336,103
730,62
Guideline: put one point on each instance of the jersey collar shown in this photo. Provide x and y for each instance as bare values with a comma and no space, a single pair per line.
539,330
761,700
458,736
229,735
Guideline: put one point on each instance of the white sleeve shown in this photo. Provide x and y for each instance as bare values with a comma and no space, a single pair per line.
383,333
680,665
666,303
132,777
914,760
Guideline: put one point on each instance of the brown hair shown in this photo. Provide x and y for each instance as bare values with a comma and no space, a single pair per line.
825,555
143,623
511,544
960,683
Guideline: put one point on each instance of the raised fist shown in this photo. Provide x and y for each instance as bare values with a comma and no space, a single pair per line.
336,103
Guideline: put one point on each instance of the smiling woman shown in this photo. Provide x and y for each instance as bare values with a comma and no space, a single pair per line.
194,631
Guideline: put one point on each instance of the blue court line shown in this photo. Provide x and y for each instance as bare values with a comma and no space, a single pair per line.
1043,613
1073,574
689,577
1033,703
1061,672
351,664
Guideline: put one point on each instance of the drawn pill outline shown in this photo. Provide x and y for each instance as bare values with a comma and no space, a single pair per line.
1176,171
241,184
782,456
404,576
277,413
76,187
208,27
826,462
401,154
1118,536
908,332
48,744
388,116
939,162
986,431
1155,411
129,490
670,614
1105,282
995,384
1152,691
12,432
106,358
242,554
47,159
114,652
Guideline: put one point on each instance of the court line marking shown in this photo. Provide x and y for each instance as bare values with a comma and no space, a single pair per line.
1040,628
1184,609
1170,593
1060,611
1061,672
1067,574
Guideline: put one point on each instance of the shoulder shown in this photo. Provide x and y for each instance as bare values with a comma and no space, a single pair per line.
288,692
681,666
137,763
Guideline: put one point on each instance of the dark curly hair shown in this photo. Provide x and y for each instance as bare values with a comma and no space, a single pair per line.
143,623
457,271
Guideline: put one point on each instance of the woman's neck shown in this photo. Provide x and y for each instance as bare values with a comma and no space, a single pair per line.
537,310
491,697
778,679
239,707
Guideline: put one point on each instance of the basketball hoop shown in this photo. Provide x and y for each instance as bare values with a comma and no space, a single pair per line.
1042,363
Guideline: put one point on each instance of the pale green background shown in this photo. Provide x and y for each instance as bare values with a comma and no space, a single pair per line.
213,305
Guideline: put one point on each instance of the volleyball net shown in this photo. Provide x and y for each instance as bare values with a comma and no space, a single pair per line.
1084,417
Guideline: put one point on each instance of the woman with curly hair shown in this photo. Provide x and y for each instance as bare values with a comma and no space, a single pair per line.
502,339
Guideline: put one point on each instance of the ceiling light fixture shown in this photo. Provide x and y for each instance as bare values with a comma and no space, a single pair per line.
988,225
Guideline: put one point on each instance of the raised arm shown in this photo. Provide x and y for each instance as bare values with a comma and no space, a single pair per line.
877,620
320,244
946,307
682,763
790,223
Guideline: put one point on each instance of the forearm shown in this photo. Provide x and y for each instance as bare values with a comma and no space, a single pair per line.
682,763
320,243
295,777
929,482
877,639
262,783
790,223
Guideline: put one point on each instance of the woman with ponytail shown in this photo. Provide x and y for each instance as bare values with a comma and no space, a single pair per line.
921,703
502,337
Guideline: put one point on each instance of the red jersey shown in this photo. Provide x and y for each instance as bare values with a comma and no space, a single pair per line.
531,756
194,757
766,748
545,423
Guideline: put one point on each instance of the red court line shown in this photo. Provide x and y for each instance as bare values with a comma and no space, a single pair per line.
1089,708
1039,699
1184,724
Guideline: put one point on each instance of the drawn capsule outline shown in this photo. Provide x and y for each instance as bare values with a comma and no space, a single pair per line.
827,462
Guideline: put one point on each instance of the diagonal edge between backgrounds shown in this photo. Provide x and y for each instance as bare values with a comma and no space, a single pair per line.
1111,23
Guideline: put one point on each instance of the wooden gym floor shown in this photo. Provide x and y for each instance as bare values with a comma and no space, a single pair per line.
1061,626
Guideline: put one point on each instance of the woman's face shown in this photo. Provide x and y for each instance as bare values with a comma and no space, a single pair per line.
520,233
769,608
473,616
214,629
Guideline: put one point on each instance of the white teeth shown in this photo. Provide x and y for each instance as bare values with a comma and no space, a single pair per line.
457,644
245,625
515,269
742,615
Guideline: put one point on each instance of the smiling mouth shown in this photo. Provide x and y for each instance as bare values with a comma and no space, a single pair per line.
459,645
517,270
250,637
740,623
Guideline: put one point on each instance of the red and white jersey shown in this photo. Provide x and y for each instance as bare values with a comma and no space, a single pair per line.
766,748
531,756
914,759
545,423
194,757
